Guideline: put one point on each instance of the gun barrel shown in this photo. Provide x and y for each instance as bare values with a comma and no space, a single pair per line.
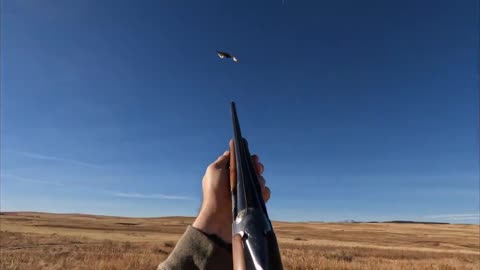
247,184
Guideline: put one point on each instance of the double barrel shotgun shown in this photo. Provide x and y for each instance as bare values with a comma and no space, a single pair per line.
254,244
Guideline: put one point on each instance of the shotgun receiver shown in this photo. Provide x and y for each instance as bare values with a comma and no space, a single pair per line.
254,243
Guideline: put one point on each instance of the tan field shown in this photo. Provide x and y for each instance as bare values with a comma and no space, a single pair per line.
73,241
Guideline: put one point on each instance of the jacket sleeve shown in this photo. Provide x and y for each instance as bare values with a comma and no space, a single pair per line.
196,251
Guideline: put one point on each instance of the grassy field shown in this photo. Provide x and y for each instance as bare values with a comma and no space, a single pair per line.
52,241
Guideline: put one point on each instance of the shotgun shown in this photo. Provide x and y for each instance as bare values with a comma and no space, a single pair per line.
254,244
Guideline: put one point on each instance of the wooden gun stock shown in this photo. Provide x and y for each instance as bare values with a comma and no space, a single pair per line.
238,253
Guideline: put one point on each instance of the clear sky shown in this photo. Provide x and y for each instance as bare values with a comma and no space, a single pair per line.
364,110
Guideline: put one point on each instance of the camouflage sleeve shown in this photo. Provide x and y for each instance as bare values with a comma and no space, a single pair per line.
196,251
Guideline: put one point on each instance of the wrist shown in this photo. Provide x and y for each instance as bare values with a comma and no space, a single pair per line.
209,223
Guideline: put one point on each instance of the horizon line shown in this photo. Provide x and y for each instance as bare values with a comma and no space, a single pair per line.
398,221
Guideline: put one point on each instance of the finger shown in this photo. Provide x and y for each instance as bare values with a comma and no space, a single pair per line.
258,165
260,168
266,194
261,181
265,189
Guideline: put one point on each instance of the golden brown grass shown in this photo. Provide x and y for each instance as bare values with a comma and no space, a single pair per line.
50,241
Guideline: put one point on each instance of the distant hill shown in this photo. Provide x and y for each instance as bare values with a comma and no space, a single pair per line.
414,222
394,221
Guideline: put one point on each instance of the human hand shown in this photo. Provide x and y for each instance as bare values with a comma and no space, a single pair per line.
215,216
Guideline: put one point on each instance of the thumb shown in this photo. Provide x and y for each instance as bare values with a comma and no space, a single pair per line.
222,161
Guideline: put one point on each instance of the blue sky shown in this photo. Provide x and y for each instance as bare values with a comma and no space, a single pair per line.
363,110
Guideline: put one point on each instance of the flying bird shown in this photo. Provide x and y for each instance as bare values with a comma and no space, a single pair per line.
226,55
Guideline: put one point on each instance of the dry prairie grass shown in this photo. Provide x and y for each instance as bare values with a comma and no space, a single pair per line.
49,241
